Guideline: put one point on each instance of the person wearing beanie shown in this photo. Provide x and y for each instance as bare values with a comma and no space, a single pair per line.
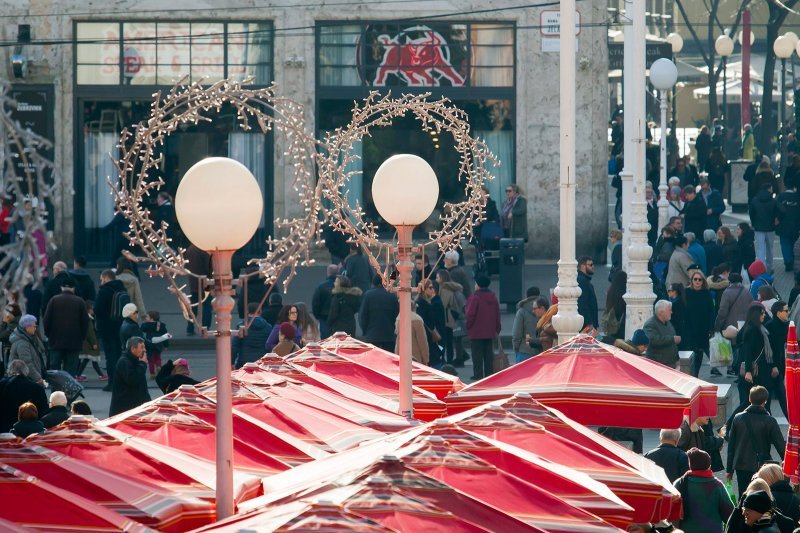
483,326
27,346
174,374
706,503
130,324
286,344
637,344
759,277
760,514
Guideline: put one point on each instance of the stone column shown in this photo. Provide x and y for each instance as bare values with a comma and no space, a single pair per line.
567,321
639,295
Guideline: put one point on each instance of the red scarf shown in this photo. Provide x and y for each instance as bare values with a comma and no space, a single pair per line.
701,473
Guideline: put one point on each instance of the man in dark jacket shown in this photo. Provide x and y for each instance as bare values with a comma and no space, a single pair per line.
778,328
130,324
107,323
250,348
85,286
321,300
15,389
357,268
694,212
53,287
199,263
58,411
751,435
66,321
788,230
483,325
714,204
587,301
763,214
379,309
668,456
130,383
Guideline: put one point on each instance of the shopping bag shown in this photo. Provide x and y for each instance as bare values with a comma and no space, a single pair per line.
500,361
720,351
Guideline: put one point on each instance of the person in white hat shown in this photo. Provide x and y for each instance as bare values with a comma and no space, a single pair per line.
130,324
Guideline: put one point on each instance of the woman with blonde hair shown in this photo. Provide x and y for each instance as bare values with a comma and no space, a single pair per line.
787,502
547,333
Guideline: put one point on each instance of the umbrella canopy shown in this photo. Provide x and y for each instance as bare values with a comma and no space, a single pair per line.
139,459
426,406
791,462
597,384
166,424
425,377
652,499
24,497
146,503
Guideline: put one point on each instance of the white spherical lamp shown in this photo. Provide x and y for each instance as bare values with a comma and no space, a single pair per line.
792,36
783,47
723,45
663,74
405,190
740,37
219,204
676,41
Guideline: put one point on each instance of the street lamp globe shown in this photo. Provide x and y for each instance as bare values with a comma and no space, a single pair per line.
740,36
219,204
792,36
676,41
405,190
783,47
723,45
663,74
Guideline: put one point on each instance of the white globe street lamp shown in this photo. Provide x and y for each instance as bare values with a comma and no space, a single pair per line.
663,75
676,41
724,47
219,206
405,191
740,37
792,36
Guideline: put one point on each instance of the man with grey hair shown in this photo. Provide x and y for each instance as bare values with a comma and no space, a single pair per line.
713,251
15,389
58,411
668,456
130,382
53,287
321,300
664,341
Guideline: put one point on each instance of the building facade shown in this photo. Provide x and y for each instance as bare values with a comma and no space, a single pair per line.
94,68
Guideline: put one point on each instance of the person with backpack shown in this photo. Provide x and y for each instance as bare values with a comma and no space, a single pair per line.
706,503
112,297
759,276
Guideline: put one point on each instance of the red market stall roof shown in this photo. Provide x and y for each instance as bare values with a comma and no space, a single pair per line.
597,384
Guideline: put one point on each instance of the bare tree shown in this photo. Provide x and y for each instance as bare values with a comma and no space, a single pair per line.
706,47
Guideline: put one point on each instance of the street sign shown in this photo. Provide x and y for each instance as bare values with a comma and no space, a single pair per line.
616,54
550,22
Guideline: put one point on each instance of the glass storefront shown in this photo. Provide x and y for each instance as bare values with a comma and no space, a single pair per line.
472,64
137,59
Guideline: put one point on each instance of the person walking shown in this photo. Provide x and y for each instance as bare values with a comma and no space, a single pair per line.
514,215
83,280
111,300
27,346
90,351
587,301
612,323
431,309
357,268
714,205
788,229
250,348
778,330
746,239
694,211
130,380
419,337
706,503
321,302
733,305
756,351
524,328
668,456
663,347
699,321
344,302
126,275
452,295
752,434
460,276
700,434
703,147
763,214
66,322
713,251
53,286
157,338
379,309
130,324
483,326
730,249
679,263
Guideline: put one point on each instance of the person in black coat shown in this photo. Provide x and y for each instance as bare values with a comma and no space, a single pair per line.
786,501
379,309
28,421
698,323
85,285
53,285
250,348
694,212
746,240
16,389
58,411
174,374
130,325
431,310
668,456
756,352
344,303
587,301
357,268
108,325
778,329
321,301
130,384
788,229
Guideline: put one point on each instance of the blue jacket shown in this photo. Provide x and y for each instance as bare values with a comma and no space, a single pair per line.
250,348
698,253
760,281
717,206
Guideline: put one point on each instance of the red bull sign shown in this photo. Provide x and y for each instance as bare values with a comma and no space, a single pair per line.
419,56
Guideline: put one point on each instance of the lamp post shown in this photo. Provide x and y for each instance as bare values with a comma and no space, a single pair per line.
783,48
676,41
663,75
405,191
223,187
724,47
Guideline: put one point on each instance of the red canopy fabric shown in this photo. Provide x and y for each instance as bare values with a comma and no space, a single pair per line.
597,384
139,459
35,504
426,406
649,492
791,461
146,503
425,377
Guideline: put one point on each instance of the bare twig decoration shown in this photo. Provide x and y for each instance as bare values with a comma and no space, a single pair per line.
458,219
140,157
28,179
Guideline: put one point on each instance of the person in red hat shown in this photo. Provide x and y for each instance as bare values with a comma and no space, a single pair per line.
286,344
174,374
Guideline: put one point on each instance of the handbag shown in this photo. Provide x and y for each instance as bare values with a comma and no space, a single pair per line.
436,337
609,323
754,371
500,359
